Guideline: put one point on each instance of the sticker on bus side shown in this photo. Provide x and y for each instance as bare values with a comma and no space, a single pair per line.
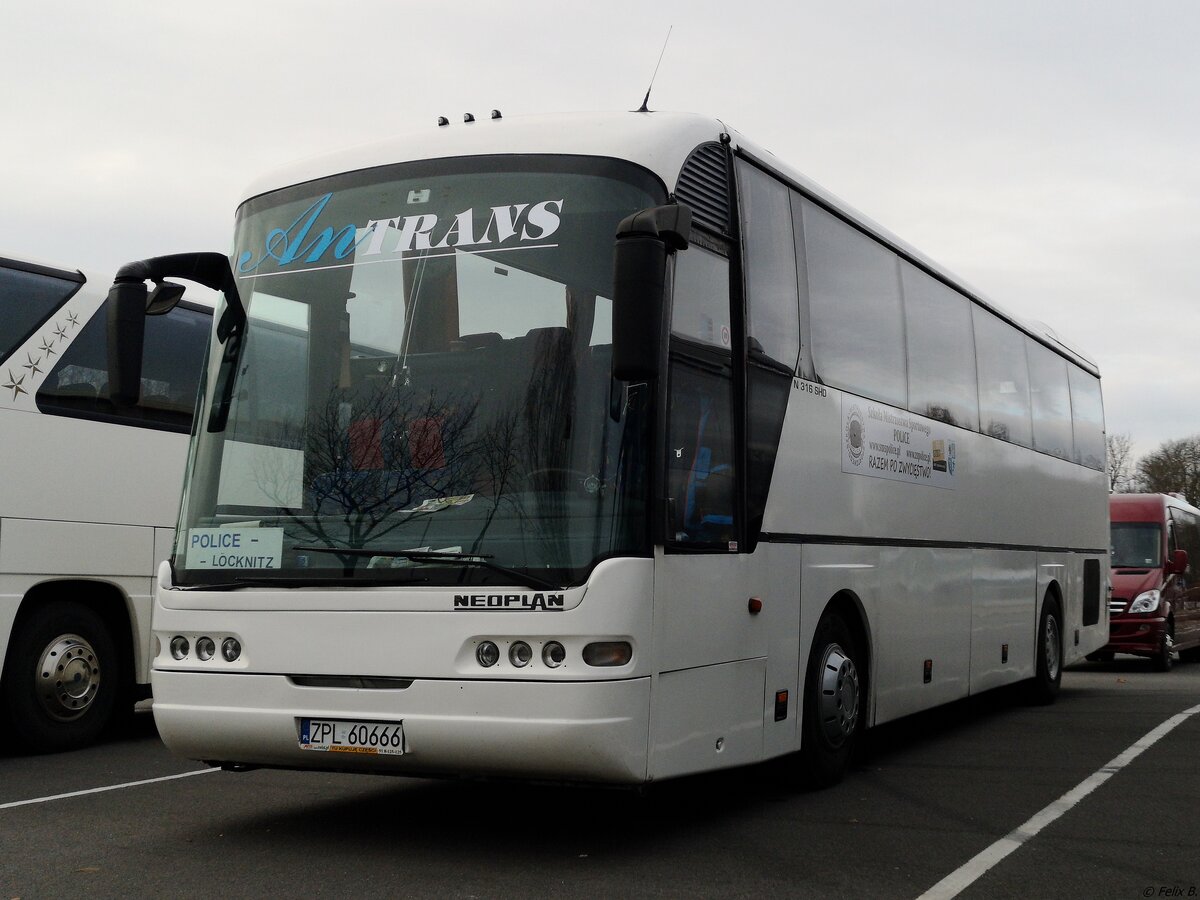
885,442
235,548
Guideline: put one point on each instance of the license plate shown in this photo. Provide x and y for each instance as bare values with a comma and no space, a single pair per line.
349,736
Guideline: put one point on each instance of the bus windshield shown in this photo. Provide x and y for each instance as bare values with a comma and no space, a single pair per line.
423,391
1136,545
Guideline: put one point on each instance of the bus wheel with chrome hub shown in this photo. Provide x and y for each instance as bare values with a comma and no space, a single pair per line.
1043,687
833,697
67,677
59,677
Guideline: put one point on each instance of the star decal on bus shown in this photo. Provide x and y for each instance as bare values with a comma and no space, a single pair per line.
32,365
73,319
14,385
60,331
47,347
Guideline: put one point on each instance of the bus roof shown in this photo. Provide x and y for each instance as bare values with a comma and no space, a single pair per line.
42,268
658,141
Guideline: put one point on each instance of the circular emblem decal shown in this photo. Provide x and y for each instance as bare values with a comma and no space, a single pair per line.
856,437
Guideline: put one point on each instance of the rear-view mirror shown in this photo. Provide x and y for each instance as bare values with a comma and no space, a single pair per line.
643,243
126,332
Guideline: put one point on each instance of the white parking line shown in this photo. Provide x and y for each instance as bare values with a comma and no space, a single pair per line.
101,790
970,872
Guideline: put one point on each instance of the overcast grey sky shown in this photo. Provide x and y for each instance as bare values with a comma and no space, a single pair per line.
1048,151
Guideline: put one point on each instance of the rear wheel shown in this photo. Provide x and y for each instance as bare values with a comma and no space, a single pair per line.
60,677
833,697
1043,688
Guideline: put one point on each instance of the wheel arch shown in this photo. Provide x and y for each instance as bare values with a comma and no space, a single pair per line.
1054,592
105,599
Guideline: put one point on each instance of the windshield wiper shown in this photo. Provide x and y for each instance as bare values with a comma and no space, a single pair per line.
291,582
470,559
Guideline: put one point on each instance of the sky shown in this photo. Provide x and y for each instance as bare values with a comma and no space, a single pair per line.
1048,153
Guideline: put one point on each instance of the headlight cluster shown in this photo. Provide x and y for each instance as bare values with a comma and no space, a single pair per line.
1146,602
520,654
206,648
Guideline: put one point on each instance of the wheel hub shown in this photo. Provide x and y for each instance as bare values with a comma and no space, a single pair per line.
67,677
838,700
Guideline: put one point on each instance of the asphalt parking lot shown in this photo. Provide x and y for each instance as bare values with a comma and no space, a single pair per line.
985,798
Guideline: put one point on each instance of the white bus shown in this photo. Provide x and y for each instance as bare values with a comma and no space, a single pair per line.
89,495
608,448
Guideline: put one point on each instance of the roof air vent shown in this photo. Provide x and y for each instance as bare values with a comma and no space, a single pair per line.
704,186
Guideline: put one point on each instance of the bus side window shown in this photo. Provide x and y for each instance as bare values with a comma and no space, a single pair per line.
773,315
1051,401
26,299
173,357
1087,418
855,309
1003,380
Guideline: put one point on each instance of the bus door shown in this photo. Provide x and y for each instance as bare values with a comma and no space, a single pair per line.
709,650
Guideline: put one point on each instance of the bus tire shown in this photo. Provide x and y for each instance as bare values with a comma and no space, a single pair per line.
1043,687
60,677
833,698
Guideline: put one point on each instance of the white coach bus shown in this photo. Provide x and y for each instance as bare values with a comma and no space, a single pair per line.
607,448
89,495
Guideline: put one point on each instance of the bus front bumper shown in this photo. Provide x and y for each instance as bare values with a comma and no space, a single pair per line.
593,731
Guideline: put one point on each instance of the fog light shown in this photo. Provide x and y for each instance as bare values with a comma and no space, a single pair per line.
553,654
231,649
487,654
519,654
608,653
179,646
205,648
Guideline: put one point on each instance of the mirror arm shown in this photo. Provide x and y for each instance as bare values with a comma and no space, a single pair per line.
209,269
671,224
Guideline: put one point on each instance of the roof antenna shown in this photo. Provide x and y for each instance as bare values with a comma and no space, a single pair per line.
646,99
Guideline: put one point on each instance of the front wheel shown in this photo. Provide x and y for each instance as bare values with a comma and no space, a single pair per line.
1043,688
833,697
1162,659
60,678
